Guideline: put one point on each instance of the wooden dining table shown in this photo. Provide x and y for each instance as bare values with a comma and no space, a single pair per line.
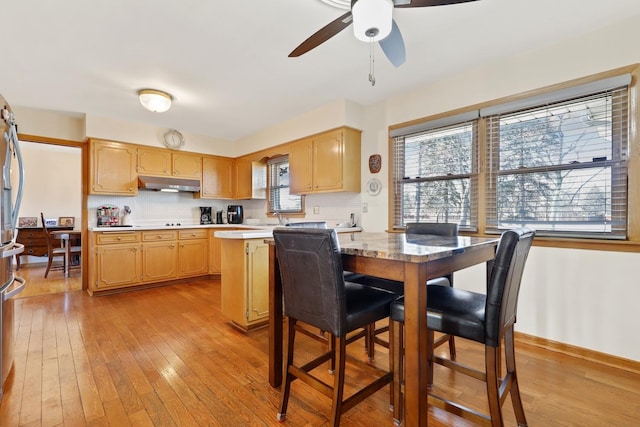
67,237
412,259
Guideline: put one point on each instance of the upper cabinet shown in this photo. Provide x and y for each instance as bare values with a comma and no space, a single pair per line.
327,162
186,165
160,162
217,178
112,168
250,179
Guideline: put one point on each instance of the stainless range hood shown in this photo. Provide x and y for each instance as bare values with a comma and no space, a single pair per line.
165,183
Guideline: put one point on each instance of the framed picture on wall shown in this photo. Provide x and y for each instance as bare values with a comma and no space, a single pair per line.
27,221
66,221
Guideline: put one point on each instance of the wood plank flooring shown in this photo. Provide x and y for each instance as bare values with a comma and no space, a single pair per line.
167,357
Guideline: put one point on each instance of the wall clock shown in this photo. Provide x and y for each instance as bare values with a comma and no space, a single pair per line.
375,163
173,139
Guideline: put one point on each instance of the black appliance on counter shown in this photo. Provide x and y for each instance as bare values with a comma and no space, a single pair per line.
235,214
205,215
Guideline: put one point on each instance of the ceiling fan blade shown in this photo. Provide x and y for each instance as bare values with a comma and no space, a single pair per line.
323,34
393,46
425,3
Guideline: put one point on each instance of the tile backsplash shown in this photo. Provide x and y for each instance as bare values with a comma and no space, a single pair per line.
157,208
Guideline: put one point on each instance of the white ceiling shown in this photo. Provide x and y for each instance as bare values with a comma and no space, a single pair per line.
226,64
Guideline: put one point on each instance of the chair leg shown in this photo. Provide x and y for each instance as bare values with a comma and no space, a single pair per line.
49,261
370,336
338,382
492,361
510,359
332,349
452,348
397,348
286,387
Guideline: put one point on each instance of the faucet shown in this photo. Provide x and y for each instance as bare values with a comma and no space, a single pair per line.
280,220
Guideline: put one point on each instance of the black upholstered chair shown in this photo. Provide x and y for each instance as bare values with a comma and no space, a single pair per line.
445,229
485,318
315,292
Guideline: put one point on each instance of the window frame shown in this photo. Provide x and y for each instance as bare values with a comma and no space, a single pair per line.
632,241
271,209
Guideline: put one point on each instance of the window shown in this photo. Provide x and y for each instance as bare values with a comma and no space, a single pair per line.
435,174
280,201
560,168
554,161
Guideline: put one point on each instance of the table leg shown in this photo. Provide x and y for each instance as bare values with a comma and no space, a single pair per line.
415,290
275,320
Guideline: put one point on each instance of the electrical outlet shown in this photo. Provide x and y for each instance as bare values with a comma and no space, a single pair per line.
316,209
365,207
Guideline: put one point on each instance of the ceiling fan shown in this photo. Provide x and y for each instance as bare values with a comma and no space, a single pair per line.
372,22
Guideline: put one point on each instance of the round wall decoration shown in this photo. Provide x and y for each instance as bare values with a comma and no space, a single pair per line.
173,139
375,163
374,186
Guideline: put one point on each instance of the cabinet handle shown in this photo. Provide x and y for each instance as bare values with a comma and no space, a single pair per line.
119,238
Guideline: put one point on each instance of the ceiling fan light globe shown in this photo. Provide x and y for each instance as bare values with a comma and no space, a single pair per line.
155,100
372,17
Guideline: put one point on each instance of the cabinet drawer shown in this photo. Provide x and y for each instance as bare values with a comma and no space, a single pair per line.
159,235
110,238
193,234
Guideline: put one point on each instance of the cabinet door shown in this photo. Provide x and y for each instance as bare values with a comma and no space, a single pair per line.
154,162
217,181
193,257
187,165
159,261
118,265
300,166
257,280
328,160
243,181
112,168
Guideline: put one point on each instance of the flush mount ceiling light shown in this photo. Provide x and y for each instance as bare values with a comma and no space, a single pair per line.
155,100
372,19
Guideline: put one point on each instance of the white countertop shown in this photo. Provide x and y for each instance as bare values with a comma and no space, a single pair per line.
266,233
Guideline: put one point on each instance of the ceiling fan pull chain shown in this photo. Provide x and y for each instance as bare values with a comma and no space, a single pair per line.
372,67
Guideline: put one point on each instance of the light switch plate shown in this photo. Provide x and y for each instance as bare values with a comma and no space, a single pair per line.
316,209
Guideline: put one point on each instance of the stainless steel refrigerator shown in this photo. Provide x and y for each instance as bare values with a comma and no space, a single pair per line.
10,284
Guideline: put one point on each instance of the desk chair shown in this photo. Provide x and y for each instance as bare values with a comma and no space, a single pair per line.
485,318
54,251
315,292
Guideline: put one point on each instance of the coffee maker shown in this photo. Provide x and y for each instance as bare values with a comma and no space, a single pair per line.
234,214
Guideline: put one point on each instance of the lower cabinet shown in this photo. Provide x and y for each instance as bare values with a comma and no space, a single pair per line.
245,282
124,259
117,262
193,253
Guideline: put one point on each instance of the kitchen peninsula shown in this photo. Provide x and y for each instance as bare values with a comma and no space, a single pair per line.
245,276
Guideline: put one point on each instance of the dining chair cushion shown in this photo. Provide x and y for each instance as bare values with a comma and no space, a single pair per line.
464,312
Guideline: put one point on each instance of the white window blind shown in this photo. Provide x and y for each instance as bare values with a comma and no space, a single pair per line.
280,201
560,168
435,173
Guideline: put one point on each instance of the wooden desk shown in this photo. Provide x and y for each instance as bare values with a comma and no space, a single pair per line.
411,259
34,241
68,237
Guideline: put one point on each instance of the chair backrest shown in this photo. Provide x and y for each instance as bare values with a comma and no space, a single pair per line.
308,224
312,282
503,286
46,233
448,229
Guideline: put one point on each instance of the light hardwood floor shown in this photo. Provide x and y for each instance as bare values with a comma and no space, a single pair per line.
166,356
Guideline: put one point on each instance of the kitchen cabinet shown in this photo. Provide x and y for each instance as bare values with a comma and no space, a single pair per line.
215,250
193,252
159,162
327,162
245,282
250,179
159,255
112,168
117,262
186,165
217,177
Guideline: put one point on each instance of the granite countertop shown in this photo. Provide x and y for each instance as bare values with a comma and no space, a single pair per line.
266,232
